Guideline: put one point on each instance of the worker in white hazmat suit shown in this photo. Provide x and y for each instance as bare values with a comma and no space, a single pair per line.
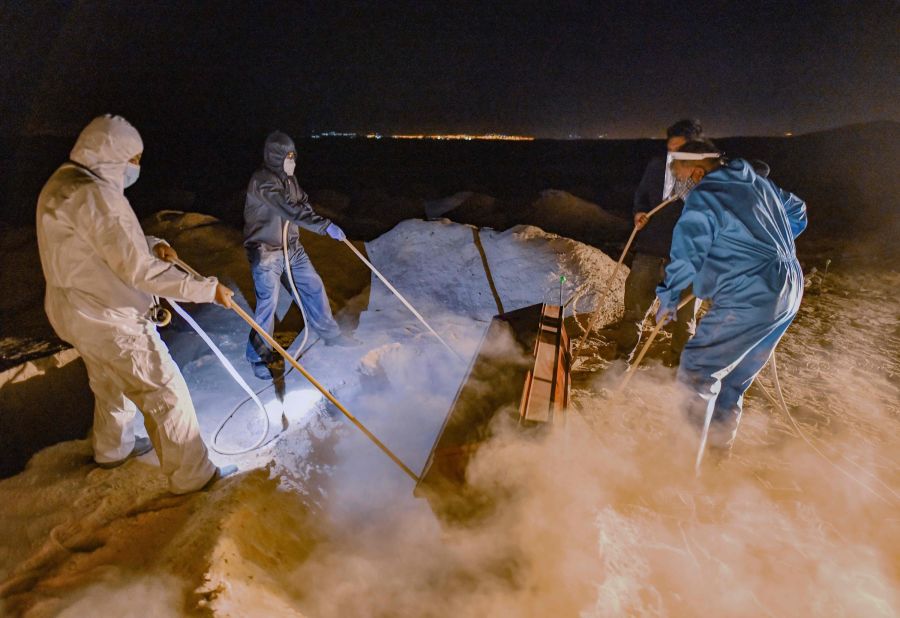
101,273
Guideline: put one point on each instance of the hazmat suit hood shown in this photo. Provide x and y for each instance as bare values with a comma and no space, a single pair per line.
277,147
96,259
742,171
105,146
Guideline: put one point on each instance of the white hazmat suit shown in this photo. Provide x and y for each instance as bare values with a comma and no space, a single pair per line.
101,275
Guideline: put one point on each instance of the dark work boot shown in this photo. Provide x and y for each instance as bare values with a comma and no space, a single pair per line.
141,446
261,371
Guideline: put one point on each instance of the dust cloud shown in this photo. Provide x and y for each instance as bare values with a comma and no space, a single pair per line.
605,516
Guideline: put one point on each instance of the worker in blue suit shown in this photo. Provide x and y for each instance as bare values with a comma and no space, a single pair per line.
734,243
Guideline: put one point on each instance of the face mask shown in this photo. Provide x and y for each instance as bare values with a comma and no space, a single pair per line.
289,166
683,187
132,172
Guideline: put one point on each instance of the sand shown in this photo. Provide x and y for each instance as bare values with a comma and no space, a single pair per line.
603,518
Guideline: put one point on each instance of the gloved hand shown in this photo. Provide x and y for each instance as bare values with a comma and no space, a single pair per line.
665,314
165,252
335,232
223,296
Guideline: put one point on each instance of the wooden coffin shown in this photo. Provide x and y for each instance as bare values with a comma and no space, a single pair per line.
519,377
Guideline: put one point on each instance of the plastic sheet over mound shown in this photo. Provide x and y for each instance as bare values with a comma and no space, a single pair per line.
525,257
406,380
441,267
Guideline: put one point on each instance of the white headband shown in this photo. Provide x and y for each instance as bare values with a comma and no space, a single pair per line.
694,156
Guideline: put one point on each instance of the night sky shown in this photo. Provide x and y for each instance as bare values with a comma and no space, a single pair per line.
549,69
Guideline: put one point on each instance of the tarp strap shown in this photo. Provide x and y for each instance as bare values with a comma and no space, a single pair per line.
476,236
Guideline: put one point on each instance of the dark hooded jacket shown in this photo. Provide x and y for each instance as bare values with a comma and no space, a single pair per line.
656,237
274,197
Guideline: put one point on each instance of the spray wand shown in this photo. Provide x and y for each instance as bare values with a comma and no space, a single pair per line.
405,302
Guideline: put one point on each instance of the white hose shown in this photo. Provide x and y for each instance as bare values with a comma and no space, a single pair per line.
784,408
237,378
400,297
251,395
780,403
287,265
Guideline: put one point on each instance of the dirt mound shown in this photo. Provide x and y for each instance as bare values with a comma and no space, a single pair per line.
567,215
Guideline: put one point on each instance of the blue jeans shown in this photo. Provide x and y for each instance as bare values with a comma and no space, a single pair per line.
269,275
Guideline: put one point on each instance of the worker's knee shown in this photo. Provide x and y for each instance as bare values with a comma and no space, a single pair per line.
693,371
164,385
266,286
309,281
168,402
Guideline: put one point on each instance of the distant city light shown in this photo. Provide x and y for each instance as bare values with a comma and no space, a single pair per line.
462,136
436,136
334,134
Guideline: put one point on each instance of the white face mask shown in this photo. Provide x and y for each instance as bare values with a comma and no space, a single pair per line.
289,166
132,172
683,187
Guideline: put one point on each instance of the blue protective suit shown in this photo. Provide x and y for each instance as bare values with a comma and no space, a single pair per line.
734,243
274,197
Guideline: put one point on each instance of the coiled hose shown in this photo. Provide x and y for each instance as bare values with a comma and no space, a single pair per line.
251,394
